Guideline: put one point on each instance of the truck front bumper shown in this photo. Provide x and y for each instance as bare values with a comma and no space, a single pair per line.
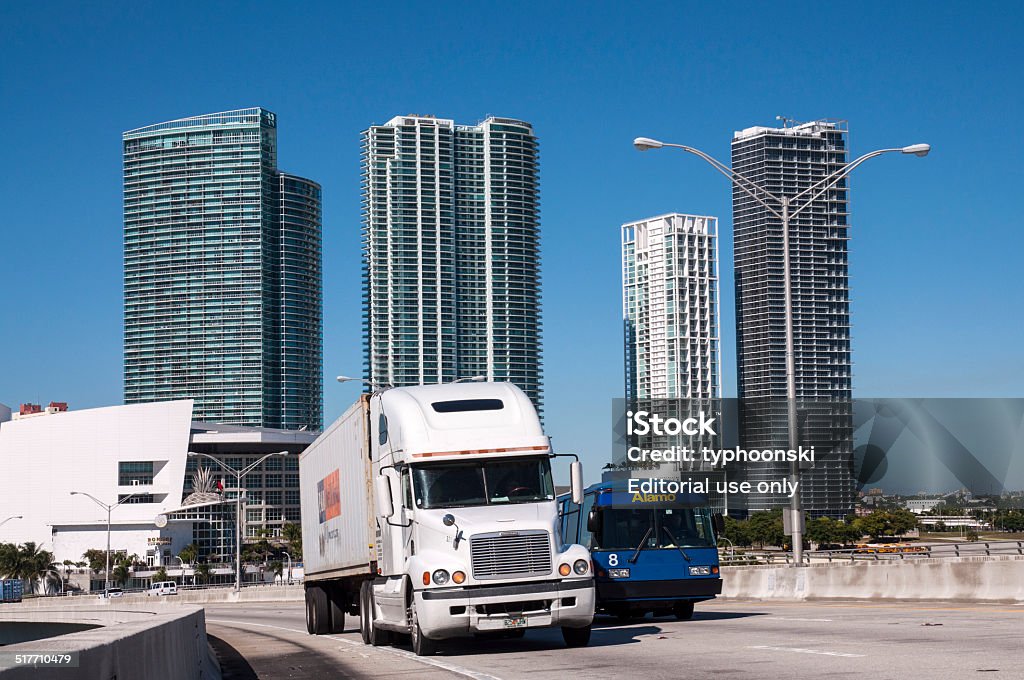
454,612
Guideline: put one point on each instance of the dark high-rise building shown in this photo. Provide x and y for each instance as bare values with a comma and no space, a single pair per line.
222,273
785,161
451,238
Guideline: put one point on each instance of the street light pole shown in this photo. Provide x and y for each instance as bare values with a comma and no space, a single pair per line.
787,206
109,508
238,503
10,518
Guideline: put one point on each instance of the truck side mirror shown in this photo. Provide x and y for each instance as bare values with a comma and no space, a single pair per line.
576,481
382,494
719,523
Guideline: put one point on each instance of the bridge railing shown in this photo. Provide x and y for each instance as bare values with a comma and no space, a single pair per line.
736,557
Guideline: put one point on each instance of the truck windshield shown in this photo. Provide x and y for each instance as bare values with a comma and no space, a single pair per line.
671,528
489,482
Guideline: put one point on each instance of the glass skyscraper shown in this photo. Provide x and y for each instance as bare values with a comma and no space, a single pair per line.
785,161
451,236
222,273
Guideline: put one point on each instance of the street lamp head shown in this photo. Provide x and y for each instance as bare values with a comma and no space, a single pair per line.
646,143
345,378
920,150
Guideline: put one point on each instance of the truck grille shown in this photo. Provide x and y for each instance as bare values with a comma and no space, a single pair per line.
510,553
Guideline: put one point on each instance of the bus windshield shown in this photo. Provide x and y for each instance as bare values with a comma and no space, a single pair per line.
487,482
627,528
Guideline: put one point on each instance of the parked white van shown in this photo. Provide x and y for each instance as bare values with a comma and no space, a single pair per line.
163,588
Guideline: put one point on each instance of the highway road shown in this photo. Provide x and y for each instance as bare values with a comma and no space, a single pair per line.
734,639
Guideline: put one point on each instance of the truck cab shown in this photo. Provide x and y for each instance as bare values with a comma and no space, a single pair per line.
466,537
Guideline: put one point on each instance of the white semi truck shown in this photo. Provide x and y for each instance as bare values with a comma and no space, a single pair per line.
430,511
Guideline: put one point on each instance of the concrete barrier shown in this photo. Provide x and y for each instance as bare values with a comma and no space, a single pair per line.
197,596
131,645
980,579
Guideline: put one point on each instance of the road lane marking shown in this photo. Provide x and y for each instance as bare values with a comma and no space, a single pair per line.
798,650
437,663
793,618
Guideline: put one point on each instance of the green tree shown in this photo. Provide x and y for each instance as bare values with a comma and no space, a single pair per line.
203,572
972,534
160,575
9,560
766,528
276,568
189,554
737,531
33,565
120,574
292,533
902,521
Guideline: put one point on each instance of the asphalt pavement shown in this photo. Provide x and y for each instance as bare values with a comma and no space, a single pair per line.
734,639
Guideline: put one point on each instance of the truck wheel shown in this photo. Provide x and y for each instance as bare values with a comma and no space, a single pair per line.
337,598
576,637
683,610
317,622
365,612
421,644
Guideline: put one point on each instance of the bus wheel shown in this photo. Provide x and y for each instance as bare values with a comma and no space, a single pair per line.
683,610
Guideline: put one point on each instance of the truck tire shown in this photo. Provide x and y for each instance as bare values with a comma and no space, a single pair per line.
683,610
421,644
317,613
576,637
372,635
337,602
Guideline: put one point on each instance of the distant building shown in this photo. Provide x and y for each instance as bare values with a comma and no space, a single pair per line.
670,307
451,243
137,454
30,410
919,505
786,161
222,273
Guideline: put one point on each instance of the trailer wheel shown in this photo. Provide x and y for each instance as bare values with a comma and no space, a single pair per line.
683,610
317,613
576,637
337,598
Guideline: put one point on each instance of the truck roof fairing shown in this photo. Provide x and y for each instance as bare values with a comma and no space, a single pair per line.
455,420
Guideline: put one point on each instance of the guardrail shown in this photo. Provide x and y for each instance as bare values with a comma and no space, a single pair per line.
876,553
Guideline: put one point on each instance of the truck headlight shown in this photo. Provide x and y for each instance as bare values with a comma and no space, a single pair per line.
440,577
580,567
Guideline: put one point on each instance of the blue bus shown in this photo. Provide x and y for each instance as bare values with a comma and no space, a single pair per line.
650,554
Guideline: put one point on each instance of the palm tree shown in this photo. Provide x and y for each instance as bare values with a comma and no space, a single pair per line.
202,572
189,554
120,574
160,575
33,565
277,569
8,559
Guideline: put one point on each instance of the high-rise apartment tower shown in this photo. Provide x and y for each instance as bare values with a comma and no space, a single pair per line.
670,307
785,161
451,238
222,273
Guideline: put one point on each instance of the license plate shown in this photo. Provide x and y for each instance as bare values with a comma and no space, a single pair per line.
618,573
700,571
515,622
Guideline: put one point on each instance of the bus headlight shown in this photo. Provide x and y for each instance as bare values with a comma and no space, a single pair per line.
440,577
580,567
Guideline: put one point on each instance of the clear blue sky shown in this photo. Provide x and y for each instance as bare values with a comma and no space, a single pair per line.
936,243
